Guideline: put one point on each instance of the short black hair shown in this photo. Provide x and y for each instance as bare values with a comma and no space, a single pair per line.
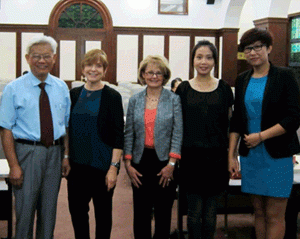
208,44
173,82
253,35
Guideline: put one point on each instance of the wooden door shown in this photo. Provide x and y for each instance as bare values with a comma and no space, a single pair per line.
75,24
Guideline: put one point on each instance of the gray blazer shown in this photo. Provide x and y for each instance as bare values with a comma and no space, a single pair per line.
168,128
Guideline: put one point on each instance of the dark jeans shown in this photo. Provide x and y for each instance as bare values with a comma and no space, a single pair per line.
152,195
202,212
291,214
86,183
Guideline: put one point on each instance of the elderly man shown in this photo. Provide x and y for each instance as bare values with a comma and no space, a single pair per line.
34,114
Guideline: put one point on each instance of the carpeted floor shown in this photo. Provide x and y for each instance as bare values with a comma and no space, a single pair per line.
239,226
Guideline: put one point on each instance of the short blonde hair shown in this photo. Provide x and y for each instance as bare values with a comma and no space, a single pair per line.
162,64
93,56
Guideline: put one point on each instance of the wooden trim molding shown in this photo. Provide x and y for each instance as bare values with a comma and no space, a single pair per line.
23,28
164,31
297,14
270,20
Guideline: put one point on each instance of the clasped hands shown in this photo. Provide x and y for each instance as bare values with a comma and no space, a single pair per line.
166,175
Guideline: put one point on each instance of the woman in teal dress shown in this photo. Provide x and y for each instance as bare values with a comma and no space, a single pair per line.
264,123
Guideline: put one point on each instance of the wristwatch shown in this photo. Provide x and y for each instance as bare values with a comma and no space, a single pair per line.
172,163
117,165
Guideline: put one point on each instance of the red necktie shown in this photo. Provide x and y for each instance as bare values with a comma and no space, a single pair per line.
45,118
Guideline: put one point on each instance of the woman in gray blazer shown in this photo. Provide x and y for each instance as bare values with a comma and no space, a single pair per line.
153,136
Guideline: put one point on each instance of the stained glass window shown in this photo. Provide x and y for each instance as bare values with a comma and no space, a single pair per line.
80,16
295,42
295,28
295,52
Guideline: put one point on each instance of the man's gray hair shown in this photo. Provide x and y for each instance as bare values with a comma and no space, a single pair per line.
42,40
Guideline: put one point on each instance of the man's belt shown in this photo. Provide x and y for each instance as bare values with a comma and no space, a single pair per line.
59,141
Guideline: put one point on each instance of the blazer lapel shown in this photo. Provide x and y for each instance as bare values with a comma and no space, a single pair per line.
140,109
271,76
245,85
163,97
103,111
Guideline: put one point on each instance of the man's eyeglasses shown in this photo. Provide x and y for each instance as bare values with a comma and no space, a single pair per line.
151,74
257,48
39,57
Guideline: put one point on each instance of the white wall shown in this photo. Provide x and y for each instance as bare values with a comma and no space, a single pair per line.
144,13
26,11
258,9
294,6
139,13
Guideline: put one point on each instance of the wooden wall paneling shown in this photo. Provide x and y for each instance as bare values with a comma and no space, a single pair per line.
19,54
165,31
191,64
167,47
229,52
279,28
80,50
18,29
109,40
109,45
217,44
140,49
55,70
112,68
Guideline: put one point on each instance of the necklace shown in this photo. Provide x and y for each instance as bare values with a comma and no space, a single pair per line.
89,93
152,99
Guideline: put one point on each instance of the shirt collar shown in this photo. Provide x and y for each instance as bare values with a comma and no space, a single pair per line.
35,81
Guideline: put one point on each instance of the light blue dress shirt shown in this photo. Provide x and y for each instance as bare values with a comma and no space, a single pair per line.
19,109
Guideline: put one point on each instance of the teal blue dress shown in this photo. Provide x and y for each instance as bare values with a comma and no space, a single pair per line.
262,174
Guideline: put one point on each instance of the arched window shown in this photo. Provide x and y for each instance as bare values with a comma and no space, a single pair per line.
80,16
